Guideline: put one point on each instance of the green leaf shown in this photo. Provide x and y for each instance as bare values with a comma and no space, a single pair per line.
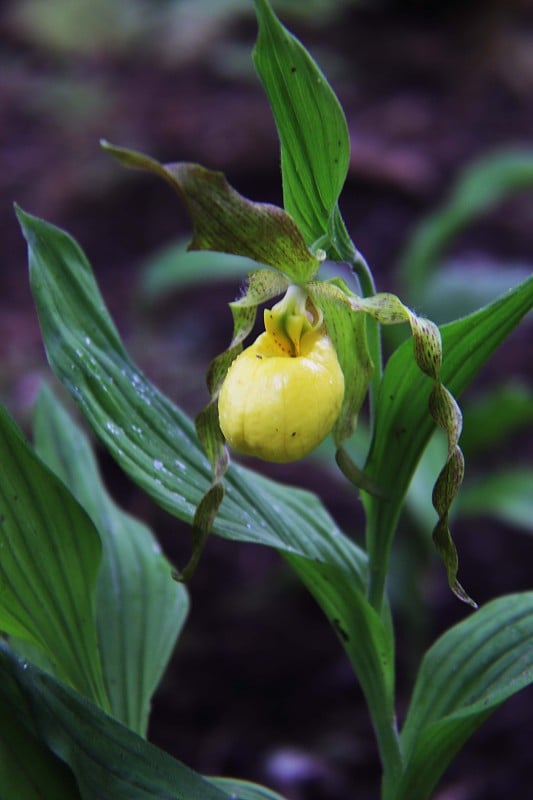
481,186
28,770
291,521
462,285
403,426
109,761
140,610
492,418
174,268
225,221
368,641
463,678
254,508
315,145
488,421
50,558
151,439
244,790
505,494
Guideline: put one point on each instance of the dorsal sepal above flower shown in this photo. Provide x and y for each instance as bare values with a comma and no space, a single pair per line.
225,221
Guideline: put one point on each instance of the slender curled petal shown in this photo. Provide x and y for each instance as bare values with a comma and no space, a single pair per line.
277,406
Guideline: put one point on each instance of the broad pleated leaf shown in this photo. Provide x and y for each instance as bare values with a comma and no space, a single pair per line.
465,675
165,458
109,761
402,425
151,439
50,554
225,221
28,769
315,147
139,608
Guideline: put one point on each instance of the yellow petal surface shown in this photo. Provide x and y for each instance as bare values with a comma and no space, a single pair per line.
279,407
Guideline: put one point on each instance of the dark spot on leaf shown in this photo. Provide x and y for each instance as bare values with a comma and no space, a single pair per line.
293,70
293,433
258,355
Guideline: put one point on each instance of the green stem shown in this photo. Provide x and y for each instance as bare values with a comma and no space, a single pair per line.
382,713
343,249
377,578
378,557
373,331
390,753
381,517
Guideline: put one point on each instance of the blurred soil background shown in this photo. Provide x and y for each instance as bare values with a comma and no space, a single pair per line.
259,687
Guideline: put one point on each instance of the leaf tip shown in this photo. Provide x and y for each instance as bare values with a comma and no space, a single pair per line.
20,213
462,595
114,150
27,222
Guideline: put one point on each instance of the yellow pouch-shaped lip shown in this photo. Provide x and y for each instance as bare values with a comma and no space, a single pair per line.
279,407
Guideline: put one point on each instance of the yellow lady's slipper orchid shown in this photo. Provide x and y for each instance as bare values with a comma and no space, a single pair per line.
283,394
